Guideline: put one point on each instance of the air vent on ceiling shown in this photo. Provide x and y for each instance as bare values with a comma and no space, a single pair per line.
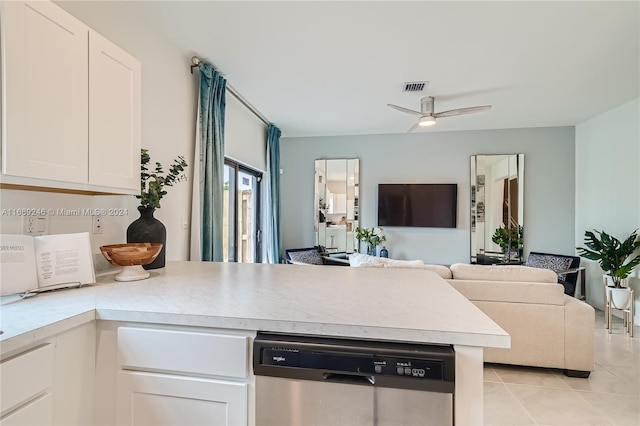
415,86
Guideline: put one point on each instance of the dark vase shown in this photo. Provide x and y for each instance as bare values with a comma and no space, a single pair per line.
148,229
384,252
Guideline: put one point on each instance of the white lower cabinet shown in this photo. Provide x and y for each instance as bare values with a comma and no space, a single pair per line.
159,399
38,412
51,382
181,377
26,381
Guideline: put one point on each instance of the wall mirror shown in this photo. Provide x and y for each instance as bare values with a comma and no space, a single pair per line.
497,207
336,203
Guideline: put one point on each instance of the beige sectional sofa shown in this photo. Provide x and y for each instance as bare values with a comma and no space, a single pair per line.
547,328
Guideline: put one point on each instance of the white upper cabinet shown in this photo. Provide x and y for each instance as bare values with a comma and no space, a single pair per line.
114,119
46,83
71,103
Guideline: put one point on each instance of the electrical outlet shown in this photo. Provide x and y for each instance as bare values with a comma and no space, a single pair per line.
97,224
35,225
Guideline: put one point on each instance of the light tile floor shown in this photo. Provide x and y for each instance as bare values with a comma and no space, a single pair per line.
537,396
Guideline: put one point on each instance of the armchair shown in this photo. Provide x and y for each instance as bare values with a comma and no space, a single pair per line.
567,268
307,255
315,256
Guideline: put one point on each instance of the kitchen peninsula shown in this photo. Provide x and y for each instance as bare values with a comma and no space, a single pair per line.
232,302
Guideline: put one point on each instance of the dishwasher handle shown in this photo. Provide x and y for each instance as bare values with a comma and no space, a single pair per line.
348,379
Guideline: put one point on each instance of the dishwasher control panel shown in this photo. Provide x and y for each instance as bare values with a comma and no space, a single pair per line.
329,360
387,364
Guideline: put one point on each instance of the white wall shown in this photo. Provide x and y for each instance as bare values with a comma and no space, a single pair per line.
433,157
169,103
608,185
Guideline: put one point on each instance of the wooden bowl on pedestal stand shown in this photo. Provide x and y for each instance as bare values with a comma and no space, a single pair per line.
131,257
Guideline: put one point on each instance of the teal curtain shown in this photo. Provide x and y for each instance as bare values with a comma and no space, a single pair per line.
211,131
272,234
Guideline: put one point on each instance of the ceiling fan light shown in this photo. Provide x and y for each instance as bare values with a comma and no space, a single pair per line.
425,121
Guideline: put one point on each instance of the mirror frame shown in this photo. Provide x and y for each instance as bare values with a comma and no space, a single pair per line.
336,204
497,201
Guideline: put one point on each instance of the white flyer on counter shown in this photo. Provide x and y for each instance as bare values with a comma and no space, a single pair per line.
27,262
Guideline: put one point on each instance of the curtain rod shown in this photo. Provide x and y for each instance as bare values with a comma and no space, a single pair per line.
196,62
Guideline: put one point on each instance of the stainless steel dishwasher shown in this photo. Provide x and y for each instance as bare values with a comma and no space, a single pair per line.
306,380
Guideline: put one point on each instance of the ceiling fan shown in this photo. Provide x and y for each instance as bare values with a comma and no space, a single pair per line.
428,117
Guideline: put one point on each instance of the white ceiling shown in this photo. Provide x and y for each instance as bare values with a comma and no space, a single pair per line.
330,68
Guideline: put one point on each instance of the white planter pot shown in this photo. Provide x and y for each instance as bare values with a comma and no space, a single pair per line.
609,282
620,298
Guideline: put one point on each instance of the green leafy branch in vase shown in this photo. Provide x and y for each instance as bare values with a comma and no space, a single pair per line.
508,239
152,182
371,236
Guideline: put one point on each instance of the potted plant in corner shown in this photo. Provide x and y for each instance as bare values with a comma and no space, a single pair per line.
148,229
612,254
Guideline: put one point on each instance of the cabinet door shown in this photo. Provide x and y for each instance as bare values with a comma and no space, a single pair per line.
46,90
24,377
115,114
38,412
155,399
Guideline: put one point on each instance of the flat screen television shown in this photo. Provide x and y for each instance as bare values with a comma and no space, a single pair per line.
418,205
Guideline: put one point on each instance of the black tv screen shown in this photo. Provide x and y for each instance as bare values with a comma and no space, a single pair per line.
418,205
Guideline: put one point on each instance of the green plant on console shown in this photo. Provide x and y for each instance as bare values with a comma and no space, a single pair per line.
611,253
508,239
152,182
372,236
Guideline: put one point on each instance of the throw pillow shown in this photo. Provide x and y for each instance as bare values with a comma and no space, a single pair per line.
312,257
393,263
555,263
364,260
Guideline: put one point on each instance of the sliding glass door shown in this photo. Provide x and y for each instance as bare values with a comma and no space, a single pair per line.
242,213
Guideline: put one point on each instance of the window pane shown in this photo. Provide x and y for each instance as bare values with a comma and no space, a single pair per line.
241,213
247,215
228,226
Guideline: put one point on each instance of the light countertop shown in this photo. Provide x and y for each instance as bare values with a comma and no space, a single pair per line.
368,303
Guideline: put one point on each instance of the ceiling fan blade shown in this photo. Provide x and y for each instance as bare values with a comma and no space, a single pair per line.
407,110
413,128
461,111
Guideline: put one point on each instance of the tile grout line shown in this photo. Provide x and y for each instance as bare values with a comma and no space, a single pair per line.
535,422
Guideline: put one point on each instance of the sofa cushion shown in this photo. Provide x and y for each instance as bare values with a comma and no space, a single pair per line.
513,273
441,270
311,257
363,260
519,292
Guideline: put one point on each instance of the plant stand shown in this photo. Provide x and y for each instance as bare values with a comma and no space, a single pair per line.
627,313
606,281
